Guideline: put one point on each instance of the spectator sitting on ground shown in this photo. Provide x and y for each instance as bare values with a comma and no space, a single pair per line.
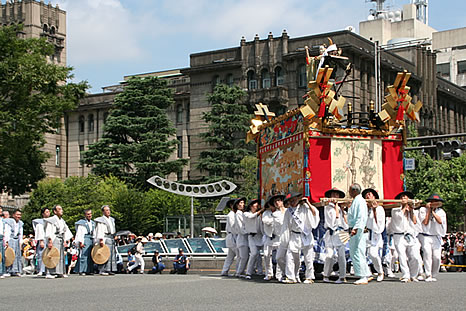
119,262
181,263
131,265
158,264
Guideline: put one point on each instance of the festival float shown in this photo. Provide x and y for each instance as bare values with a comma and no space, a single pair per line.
312,148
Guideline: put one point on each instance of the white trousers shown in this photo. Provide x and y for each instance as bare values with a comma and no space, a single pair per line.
330,253
255,260
243,253
268,251
374,255
281,262
232,253
408,256
432,251
293,263
139,262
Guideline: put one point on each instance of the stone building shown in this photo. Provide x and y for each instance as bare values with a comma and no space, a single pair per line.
40,20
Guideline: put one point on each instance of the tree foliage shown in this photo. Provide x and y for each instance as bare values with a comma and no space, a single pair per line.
33,97
249,186
444,177
227,122
137,140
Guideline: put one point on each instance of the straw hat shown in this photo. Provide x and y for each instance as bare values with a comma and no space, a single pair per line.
100,254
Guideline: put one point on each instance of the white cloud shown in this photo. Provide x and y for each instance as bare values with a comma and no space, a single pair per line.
101,31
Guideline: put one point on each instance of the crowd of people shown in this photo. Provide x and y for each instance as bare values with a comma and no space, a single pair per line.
408,239
72,252
453,252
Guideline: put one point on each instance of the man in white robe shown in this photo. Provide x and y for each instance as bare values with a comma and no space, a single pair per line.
105,234
4,238
335,222
434,224
242,242
253,226
299,220
57,234
403,227
232,233
375,226
272,220
39,236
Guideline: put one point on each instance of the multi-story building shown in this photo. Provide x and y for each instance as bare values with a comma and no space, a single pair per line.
40,20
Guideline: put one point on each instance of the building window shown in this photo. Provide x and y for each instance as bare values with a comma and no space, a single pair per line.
179,113
180,146
279,79
45,28
444,70
215,81
302,76
229,79
188,111
57,155
90,123
52,30
179,176
265,79
252,82
81,152
105,117
81,124
462,67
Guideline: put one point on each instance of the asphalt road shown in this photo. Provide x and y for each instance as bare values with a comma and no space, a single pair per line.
212,292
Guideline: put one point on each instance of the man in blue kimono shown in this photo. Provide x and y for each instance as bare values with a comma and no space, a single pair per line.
357,218
84,240
16,237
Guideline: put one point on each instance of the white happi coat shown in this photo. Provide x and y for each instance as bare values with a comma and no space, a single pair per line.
375,237
272,225
56,227
334,224
296,241
105,226
232,230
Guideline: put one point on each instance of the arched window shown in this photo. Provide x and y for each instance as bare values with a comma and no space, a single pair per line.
45,28
179,113
52,30
90,123
302,76
81,124
229,79
265,74
252,82
279,79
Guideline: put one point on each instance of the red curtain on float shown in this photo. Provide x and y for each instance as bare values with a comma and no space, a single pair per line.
392,166
320,165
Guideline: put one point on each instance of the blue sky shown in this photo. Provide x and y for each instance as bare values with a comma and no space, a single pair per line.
108,39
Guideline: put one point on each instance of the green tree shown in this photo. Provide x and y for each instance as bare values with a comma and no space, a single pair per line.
33,96
137,139
445,177
227,122
249,186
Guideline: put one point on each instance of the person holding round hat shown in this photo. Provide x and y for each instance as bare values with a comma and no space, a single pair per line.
299,220
242,242
4,238
38,226
105,235
84,240
15,240
232,233
272,220
58,235
253,226
335,221
403,227
434,225
375,226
